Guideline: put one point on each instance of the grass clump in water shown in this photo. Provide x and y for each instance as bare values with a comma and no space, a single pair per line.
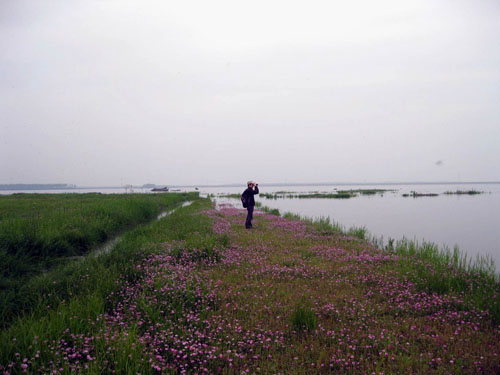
272,211
358,232
463,192
415,194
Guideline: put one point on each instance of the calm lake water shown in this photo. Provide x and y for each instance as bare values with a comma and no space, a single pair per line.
471,222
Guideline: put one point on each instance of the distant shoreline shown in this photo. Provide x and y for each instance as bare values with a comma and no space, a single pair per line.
24,187
349,183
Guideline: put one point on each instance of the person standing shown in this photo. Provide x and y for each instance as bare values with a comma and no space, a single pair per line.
252,189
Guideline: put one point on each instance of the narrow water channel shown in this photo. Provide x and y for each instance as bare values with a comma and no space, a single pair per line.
109,244
106,246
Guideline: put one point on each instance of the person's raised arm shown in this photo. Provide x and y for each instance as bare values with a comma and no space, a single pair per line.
256,191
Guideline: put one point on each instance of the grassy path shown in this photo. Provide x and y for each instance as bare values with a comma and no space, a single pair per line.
209,296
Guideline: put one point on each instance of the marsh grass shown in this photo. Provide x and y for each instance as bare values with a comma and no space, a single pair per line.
73,296
442,270
338,194
41,232
272,211
463,192
415,194
367,191
54,225
358,232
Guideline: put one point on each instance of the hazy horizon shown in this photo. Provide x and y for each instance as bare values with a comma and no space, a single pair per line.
275,183
110,93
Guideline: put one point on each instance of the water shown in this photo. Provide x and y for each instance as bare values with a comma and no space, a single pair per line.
471,222
165,213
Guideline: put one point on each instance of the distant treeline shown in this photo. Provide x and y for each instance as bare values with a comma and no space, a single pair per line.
36,186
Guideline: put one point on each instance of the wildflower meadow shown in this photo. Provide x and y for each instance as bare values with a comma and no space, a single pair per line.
197,293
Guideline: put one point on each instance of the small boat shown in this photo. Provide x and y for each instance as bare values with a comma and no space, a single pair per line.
163,189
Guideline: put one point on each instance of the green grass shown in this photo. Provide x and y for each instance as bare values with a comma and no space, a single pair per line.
48,225
358,232
303,319
272,211
441,270
72,296
39,232
289,297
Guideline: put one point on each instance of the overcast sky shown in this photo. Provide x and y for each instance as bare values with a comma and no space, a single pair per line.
117,92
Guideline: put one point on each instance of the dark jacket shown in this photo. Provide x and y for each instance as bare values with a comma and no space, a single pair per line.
250,193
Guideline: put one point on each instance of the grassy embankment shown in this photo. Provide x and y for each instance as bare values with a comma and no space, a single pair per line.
41,231
195,292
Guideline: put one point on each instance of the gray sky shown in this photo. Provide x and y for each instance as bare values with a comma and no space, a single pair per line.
114,92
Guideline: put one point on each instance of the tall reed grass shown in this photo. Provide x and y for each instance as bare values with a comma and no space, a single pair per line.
38,232
441,270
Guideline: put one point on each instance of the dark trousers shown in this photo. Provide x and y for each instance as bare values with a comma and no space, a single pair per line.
248,223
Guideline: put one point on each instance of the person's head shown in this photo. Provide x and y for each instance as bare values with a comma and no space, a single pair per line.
250,184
